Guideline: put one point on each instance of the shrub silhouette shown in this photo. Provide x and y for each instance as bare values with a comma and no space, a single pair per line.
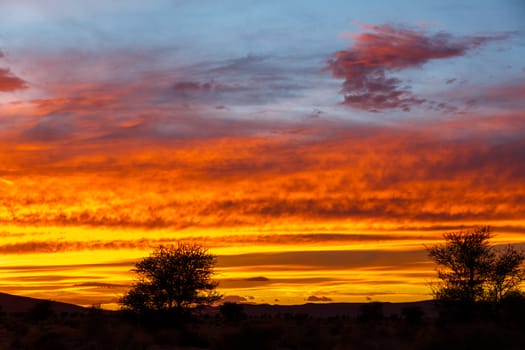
173,281
49,341
371,312
513,309
255,337
412,314
41,311
232,312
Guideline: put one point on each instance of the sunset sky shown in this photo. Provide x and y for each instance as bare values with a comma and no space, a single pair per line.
316,147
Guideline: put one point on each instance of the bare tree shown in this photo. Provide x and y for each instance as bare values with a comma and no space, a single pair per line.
173,279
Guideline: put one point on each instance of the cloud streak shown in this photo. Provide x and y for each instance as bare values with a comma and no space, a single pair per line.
212,241
368,64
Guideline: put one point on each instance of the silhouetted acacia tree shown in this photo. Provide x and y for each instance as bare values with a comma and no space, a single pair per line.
173,279
472,270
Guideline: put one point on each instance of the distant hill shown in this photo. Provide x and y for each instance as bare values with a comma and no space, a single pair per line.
15,303
335,309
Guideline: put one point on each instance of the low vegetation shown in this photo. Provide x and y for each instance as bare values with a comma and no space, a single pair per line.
231,328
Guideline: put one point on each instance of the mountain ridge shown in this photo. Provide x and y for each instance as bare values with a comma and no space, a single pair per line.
16,303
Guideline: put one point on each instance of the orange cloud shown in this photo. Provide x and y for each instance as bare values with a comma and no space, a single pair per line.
354,174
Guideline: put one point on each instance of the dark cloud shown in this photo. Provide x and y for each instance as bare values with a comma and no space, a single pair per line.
247,63
248,91
312,238
216,241
186,89
46,278
17,289
257,279
100,285
10,82
63,246
228,283
341,259
162,126
249,80
367,65
124,265
372,260
392,208
510,96
50,128
314,298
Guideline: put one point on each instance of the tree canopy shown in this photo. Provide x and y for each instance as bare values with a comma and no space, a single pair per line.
175,279
471,269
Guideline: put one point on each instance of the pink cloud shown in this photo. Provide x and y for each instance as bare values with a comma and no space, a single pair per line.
10,82
381,50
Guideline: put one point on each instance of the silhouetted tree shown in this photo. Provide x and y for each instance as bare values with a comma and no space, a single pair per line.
472,270
507,274
465,260
173,279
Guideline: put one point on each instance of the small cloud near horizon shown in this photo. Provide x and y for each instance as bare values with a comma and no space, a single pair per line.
234,299
314,298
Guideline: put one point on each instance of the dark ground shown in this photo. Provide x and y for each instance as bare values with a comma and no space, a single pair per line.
46,325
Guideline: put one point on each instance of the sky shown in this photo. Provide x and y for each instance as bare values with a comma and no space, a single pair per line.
317,148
